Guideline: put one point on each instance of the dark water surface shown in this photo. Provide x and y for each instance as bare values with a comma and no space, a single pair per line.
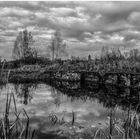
91,107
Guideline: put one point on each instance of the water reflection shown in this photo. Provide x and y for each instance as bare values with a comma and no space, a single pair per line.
109,96
91,105
25,92
56,96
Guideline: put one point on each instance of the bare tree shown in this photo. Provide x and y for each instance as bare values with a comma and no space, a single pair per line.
22,46
57,46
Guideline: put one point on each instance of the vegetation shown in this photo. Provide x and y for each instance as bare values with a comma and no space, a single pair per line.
34,67
110,59
22,46
57,46
125,126
114,128
16,128
117,60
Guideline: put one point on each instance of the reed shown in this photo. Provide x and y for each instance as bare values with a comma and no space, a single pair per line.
131,124
126,128
14,128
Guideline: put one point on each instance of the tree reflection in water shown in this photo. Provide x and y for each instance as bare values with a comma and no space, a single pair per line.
109,96
25,92
56,94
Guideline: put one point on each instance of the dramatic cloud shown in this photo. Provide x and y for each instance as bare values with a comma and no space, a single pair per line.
86,26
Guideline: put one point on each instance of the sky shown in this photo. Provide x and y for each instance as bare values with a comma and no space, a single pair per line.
86,26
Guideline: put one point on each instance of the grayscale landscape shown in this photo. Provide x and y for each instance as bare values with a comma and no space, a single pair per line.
69,70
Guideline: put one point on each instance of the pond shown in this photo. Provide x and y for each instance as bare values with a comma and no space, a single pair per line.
89,108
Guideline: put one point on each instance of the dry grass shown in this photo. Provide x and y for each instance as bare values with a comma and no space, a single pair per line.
14,128
126,128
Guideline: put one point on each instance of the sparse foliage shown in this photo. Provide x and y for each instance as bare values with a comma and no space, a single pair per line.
57,46
22,46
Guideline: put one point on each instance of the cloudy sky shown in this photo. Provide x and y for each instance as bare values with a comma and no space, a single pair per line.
86,26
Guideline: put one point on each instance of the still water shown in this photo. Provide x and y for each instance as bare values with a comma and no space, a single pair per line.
90,108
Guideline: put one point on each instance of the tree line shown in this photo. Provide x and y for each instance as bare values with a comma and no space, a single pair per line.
23,46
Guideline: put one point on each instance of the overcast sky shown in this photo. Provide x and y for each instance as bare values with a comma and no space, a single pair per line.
86,26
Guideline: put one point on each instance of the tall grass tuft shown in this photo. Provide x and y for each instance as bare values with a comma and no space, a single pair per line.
125,128
14,128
